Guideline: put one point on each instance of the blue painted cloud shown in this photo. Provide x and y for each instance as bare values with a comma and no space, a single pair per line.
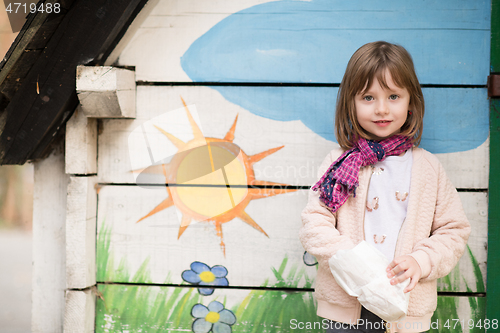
299,41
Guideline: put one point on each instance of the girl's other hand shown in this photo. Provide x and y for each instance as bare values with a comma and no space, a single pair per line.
402,268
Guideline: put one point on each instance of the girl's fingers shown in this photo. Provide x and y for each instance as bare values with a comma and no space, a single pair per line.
400,278
396,269
413,283
402,268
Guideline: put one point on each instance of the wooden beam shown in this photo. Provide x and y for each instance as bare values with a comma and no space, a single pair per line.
47,97
106,92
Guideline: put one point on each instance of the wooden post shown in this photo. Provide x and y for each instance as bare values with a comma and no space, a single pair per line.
49,244
81,210
81,232
80,308
81,144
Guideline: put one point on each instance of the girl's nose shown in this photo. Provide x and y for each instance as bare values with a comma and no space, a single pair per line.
382,108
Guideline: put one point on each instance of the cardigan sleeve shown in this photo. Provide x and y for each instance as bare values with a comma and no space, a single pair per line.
318,233
449,232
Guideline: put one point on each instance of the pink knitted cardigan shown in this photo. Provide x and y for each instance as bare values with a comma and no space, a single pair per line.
434,232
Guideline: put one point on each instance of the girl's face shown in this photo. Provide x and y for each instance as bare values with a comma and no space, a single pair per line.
382,112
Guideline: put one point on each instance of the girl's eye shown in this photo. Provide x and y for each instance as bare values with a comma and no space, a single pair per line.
368,98
393,97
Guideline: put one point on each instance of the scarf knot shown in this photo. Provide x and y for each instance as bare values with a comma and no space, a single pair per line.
342,177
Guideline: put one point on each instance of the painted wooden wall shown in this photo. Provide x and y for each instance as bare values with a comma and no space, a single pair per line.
259,79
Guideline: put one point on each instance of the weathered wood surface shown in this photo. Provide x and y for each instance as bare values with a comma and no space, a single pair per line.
106,91
81,144
250,255
305,41
79,312
122,150
81,232
159,309
49,246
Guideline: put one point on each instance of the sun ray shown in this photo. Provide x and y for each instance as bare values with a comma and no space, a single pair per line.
218,231
164,167
185,222
178,143
230,134
198,135
267,192
257,157
248,220
163,205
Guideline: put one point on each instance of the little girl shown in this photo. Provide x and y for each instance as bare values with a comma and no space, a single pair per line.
380,188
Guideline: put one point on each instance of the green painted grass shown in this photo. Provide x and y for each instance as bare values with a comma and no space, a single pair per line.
279,310
142,308
447,307
139,308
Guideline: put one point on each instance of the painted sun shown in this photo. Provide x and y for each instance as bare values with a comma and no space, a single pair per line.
212,180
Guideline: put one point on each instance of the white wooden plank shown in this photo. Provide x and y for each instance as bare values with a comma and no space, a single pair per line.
468,169
131,30
296,163
249,254
254,310
49,245
170,16
298,41
464,274
250,310
80,232
79,316
81,144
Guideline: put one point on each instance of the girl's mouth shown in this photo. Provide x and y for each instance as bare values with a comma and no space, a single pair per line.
382,123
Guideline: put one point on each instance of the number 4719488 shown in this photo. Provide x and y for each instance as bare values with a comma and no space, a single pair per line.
471,323
18,7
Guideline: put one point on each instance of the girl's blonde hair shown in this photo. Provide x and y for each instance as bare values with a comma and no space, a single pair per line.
368,62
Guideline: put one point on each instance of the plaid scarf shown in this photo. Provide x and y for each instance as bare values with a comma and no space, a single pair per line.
341,178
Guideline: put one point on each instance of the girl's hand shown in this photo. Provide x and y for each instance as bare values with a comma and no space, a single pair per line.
402,268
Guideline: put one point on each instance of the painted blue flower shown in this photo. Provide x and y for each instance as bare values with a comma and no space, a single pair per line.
309,259
202,275
212,318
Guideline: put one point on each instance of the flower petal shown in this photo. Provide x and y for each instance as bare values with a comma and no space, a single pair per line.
220,282
206,291
219,271
199,267
215,306
221,328
227,317
190,276
201,326
199,311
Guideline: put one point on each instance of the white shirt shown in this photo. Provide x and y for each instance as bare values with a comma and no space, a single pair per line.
387,202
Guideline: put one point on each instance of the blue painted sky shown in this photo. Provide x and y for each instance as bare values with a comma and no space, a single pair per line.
311,41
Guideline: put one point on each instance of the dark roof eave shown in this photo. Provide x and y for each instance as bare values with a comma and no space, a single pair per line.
38,91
